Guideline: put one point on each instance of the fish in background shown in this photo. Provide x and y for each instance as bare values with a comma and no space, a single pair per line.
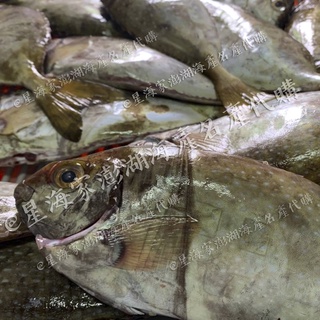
186,32
24,34
73,17
11,226
124,64
189,234
304,26
286,136
260,54
27,136
273,11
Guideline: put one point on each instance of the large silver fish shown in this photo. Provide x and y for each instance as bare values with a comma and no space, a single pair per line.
27,136
274,11
260,54
187,234
73,17
304,26
286,135
185,31
122,64
29,288
24,34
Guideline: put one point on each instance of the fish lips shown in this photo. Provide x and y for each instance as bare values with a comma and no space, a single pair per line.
43,242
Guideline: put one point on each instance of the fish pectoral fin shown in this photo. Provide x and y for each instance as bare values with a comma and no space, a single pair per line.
155,242
63,105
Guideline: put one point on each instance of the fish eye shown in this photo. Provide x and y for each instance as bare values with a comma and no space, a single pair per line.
67,175
279,5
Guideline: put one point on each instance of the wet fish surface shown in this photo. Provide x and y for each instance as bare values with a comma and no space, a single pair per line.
121,64
273,11
71,18
285,135
260,54
304,26
236,239
185,31
26,135
24,34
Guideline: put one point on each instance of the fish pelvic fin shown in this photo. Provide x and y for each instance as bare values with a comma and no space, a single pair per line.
63,104
230,89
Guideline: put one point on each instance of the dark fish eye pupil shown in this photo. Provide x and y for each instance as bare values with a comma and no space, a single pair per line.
279,4
68,176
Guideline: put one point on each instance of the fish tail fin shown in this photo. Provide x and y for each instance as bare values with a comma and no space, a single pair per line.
63,104
230,89
63,109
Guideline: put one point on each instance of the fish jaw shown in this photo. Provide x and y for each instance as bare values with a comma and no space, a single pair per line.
55,209
121,288
45,242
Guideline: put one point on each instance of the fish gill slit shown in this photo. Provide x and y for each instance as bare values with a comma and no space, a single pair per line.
186,169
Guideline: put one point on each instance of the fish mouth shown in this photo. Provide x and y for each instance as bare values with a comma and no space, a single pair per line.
45,242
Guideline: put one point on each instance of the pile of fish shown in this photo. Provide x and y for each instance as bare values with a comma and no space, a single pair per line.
204,203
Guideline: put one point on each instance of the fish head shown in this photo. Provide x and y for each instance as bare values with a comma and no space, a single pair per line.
281,11
111,254
66,197
274,11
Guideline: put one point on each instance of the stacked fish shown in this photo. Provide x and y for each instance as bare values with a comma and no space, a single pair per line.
207,208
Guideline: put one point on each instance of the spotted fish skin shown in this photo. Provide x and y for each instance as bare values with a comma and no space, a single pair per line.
238,231
285,135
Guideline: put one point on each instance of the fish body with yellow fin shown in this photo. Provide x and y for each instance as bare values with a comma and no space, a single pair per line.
186,32
188,234
24,34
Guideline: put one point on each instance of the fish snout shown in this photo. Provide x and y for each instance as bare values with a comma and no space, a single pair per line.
23,193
